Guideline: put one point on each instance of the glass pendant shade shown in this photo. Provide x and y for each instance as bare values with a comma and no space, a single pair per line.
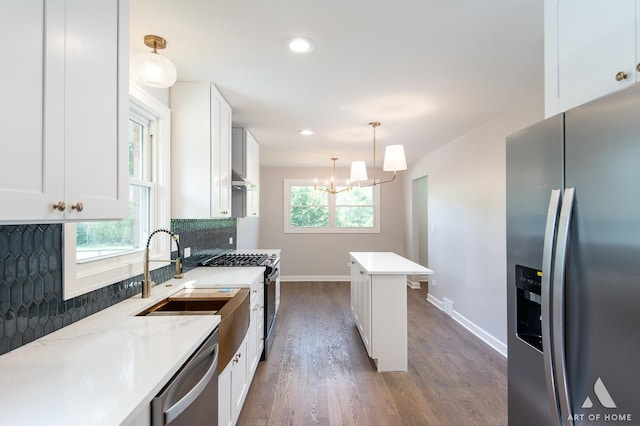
358,171
151,69
394,158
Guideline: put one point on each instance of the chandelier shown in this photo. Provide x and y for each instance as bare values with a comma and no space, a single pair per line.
330,185
394,160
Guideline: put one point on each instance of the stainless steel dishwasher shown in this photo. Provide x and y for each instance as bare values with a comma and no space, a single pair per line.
191,396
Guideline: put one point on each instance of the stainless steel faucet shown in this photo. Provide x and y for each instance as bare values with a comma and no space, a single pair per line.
146,282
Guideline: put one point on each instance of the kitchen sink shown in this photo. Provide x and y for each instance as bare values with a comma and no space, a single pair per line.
231,304
192,302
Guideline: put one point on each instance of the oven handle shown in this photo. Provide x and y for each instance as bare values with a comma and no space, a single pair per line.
275,273
176,409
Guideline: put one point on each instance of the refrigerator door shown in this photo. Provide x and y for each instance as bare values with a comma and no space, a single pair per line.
602,274
534,169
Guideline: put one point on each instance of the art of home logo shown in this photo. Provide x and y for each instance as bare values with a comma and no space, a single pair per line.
606,401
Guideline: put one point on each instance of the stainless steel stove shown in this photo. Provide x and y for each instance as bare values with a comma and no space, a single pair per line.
271,282
229,259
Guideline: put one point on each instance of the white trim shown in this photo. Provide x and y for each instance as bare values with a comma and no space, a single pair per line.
489,339
413,284
314,278
87,276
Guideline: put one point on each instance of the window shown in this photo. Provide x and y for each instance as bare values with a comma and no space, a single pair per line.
96,240
313,211
97,254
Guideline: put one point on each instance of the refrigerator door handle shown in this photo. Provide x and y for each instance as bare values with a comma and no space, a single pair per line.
547,329
557,305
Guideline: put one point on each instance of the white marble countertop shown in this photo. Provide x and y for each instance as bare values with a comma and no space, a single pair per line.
106,368
388,263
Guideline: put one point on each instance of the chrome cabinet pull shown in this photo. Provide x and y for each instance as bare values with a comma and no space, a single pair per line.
60,206
77,207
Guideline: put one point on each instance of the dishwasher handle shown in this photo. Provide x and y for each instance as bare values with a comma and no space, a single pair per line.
176,409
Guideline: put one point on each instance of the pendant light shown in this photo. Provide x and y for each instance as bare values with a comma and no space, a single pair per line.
394,160
151,69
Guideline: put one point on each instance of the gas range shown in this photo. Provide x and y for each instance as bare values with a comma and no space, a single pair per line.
241,260
270,261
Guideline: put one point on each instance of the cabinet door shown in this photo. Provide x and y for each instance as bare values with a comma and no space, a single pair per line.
31,164
253,194
95,126
220,156
587,43
365,316
355,275
239,380
224,396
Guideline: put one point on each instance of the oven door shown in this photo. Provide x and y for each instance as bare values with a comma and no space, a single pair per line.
270,309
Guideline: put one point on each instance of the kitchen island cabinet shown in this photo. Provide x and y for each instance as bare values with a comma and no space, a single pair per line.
379,305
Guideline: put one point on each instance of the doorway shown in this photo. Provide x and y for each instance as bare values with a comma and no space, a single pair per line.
420,224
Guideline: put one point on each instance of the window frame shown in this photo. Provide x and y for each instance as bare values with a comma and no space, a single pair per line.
84,276
331,229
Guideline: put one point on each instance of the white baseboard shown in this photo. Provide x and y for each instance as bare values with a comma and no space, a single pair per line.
284,278
489,339
413,284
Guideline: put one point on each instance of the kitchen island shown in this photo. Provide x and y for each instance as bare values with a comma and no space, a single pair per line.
379,305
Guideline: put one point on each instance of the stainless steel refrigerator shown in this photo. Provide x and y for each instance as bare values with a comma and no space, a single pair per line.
573,266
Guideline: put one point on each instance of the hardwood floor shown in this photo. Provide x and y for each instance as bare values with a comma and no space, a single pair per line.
318,371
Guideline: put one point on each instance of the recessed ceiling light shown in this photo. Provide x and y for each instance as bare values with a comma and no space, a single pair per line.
306,132
300,44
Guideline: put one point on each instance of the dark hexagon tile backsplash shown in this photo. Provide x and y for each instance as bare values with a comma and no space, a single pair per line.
31,302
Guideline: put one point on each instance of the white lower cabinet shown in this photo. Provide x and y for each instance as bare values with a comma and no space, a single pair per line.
256,326
235,379
379,304
233,384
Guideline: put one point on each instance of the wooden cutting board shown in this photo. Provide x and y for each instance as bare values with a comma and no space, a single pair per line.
205,294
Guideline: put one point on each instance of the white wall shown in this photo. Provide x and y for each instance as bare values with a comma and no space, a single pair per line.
247,232
324,256
467,222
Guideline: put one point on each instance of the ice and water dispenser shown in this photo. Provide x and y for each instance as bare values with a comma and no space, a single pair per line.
528,306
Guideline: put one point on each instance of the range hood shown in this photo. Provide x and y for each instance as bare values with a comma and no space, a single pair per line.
238,183
242,159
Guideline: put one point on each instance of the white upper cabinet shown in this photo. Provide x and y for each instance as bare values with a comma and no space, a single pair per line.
590,50
200,152
64,108
246,166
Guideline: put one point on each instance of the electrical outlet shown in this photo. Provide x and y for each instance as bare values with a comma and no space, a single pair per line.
187,252
177,237
433,283
230,240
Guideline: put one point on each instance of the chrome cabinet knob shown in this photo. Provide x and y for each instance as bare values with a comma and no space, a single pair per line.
77,207
621,76
60,206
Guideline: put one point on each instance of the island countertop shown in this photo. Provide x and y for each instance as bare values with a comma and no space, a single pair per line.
388,263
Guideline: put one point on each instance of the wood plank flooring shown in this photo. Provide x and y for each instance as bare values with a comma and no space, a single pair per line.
318,372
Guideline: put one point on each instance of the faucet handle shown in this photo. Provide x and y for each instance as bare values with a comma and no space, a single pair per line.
178,274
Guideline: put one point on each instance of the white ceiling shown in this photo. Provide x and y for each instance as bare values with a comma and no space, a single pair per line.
430,71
